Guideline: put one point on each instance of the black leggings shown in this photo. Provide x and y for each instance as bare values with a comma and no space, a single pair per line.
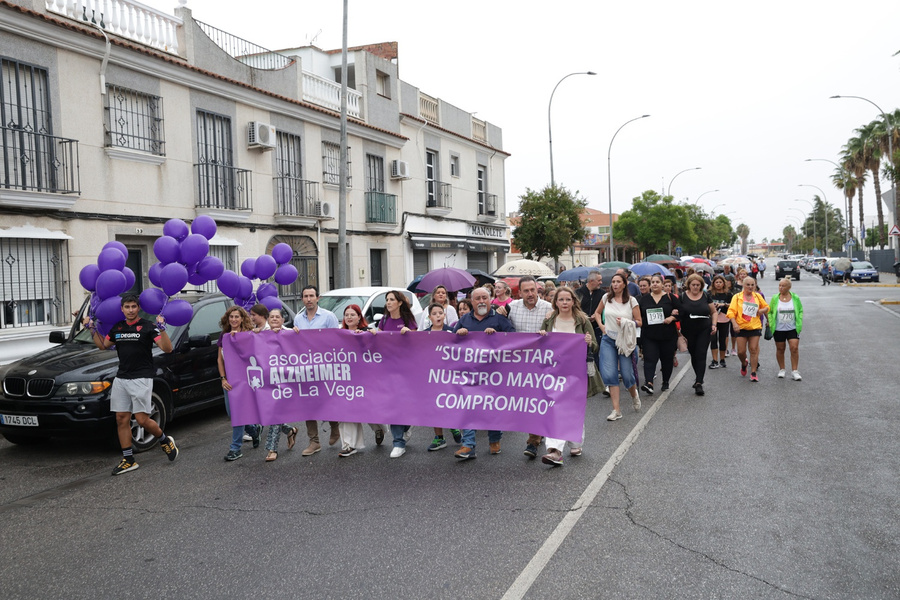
698,348
662,351
721,336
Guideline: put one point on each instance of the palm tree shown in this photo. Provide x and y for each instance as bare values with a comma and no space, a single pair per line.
854,159
891,170
789,236
845,180
743,232
871,135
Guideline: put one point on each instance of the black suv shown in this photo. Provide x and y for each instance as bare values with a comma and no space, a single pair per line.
788,268
64,391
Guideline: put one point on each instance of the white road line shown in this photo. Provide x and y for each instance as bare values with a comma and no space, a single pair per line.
536,565
889,311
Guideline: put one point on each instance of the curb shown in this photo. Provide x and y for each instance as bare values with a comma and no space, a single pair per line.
886,301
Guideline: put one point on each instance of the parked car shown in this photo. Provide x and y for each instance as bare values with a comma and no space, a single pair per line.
787,268
370,299
64,391
815,265
864,271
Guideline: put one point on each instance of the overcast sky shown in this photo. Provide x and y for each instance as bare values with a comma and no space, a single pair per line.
740,89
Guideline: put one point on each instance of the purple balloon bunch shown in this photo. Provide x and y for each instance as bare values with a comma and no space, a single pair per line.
183,254
240,287
106,280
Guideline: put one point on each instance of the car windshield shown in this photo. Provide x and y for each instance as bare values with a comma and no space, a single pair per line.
787,264
338,304
862,265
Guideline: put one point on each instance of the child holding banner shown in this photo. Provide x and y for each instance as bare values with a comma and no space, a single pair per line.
437,322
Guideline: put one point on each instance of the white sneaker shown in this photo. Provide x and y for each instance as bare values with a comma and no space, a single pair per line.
636,402
398,452
407,434
796,375
247,437
781,374
614,416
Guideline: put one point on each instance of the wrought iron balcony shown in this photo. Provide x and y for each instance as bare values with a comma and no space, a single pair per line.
438,199
224,191
487,207
296,201
44,166
381,211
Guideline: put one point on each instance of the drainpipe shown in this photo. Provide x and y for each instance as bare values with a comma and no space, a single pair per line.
105,59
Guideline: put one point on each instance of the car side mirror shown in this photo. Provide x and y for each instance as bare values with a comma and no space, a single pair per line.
57,337
199,341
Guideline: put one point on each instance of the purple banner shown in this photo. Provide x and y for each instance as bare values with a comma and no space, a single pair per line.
506,381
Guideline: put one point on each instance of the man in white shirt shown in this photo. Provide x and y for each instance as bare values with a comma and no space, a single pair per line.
316,317
528,315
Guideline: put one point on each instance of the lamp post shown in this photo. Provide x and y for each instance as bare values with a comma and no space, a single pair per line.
844,174
791,224
697,201
671,181
713,211
827,210
813,213
609,180
802,221
549,125
890,134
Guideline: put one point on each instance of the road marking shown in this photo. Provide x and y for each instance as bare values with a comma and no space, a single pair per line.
536,565
889,311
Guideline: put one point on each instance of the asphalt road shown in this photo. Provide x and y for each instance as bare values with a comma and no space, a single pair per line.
779,489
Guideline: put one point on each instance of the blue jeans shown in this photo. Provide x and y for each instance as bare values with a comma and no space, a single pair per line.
397,432
237,432
468,437
612,363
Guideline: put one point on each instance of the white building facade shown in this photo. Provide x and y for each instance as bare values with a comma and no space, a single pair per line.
111,128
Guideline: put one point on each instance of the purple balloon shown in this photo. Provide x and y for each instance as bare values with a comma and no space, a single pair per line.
193,249
248,268
267,289
178,312
173,278
109,312
88,277
167,249
204,225
286,274
229,283
211,267
197,279
111,284
117,245
95,302
271,302
154,272
129,278
176,229
103,329
111,259
245,289
153,300
282,253
265,267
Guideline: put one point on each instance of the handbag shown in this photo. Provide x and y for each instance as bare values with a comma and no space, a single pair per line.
595,384
682,343
767,332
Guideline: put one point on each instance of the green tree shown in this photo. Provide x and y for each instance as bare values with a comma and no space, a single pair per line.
846,181
873,236
653,222
711,233
872,134
549,222
743,232
789,236
853,159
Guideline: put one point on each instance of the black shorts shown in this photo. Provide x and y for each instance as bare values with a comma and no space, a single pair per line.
748,333
783,336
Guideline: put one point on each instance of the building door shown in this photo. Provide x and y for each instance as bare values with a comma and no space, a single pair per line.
135,262
376,267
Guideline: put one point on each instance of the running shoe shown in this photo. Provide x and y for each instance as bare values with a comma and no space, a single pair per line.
795,375
754,378
636,401
495,447
170,448
457,435
233,455
647,388
530,451
744,369
127,464
722,364
780,373
606,391
407,434
698,389
348,452
397,452
554,457
614,416
247,437
465,453
714,364
437,443
665,386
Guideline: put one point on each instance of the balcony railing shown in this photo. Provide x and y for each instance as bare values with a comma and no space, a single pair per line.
323,92
223,187
381,208
296,197
428,108
125,18
440,195
487,204
38,162
246,52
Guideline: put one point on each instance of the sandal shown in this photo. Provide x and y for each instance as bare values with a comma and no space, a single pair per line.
292,438
271,456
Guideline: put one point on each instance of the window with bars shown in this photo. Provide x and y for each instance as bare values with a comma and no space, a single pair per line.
374,173
228,256
33,281
331,164
306,260
220,184
134,120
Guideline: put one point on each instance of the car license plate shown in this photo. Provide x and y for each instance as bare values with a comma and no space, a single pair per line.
20,420
865,277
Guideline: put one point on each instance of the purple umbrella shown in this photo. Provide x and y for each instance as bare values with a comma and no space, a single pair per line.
450,277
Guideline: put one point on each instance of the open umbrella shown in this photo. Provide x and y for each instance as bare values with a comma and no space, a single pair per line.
615,264
578,273
842,264
450,277
517,268
480,276
661,258
414,284
645,269
700,266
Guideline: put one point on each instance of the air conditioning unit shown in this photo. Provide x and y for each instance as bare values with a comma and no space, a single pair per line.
399,169
260,135
325,209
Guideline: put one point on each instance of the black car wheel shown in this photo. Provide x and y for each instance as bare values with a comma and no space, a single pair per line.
141,439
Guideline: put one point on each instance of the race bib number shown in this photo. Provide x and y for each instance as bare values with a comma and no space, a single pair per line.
655,316
750,309
786,317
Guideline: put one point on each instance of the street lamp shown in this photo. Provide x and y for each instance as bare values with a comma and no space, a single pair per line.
671,181
827,210
791,224
890,134
609,180
844,174
813,213
697,201
802,221
550,127
713,211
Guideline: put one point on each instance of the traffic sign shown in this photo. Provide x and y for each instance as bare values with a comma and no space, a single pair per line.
894,230
678,249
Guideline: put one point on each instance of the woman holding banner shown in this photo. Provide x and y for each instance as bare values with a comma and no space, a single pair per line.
276,326
567,317
398,317
352,433
235,320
